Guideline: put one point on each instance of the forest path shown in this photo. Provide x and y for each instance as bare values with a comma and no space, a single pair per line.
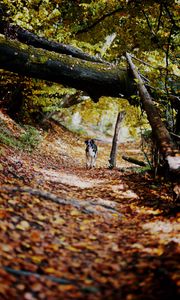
122,245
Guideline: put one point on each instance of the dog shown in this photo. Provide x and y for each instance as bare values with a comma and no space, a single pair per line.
91,153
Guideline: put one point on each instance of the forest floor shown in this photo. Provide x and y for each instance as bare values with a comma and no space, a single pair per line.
71,233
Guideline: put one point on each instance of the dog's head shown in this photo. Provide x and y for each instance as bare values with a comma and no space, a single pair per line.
90,142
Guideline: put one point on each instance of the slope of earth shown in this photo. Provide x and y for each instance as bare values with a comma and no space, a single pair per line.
71,233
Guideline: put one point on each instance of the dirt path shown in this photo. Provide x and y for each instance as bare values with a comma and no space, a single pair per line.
123,245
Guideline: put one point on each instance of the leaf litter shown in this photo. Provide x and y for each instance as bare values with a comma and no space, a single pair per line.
120,242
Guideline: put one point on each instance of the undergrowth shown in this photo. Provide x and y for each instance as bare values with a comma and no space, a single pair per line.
28,140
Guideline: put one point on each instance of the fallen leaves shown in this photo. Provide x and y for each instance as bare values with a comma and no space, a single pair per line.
105,257
35,236
23,225
3,213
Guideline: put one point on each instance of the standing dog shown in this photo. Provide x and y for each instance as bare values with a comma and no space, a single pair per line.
91,154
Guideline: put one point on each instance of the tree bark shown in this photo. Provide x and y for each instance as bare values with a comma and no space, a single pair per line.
96,79
160,132
113,155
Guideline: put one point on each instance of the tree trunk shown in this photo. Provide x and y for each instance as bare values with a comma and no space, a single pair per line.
166,146
177,131
113,155
96,79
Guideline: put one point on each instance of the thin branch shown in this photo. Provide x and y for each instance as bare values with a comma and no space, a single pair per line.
62,281
170,15
145,63
27,273
70,100
144,78
159,19
96,22
153,88
176,135
148,23
167,59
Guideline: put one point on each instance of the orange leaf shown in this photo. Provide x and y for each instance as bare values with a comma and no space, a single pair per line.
35,236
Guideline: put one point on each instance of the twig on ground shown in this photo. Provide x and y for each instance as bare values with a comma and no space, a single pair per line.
79,204
62,281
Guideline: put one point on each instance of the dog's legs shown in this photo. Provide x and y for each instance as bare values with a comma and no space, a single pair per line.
93,162
88,162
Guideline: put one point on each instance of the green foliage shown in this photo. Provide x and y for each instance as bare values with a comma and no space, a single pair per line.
137,170
102,115
28,140
7,139
6,136
44,97
140,26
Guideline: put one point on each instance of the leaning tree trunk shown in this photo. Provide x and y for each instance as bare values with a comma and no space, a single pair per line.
113,155
160,132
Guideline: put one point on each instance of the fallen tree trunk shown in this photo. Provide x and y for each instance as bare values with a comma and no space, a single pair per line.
160,132
96,79
134,161
29,38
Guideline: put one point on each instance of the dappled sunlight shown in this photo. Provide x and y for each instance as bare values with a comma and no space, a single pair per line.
123,191
165,231
68,178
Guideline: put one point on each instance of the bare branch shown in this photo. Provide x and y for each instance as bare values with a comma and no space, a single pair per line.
175,135
167,60
96,22
170,15
159,19
145,63
148,23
